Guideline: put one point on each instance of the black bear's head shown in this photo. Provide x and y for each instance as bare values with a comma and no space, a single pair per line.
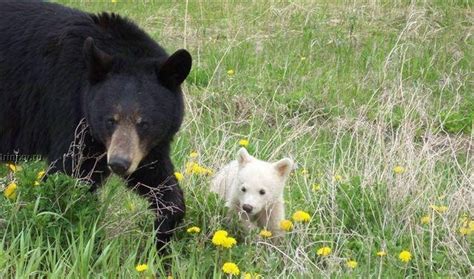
133,106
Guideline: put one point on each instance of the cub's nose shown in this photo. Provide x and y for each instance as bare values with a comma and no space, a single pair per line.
119,165
247,208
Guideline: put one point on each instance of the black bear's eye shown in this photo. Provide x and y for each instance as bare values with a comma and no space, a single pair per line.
243,189
262,192
143,125
110,123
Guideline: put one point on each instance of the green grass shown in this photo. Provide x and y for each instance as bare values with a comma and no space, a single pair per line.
349,89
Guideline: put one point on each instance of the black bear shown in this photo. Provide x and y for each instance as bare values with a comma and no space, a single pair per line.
64,71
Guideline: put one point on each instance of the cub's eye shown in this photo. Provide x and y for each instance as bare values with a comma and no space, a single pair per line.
143,125
110,123
243,189
262,192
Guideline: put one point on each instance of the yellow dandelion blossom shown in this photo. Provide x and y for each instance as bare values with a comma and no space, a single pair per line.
40,175
231,268
316,187
141,267
301,216
405,256
193,154
286,225
36,183
12,167
219,237
10,191
440,209
194,168
193,230
351,264
398,169
324,251
381,253
230,72
337,178
265,233
425,220
304,172
228,242
244,142
179,176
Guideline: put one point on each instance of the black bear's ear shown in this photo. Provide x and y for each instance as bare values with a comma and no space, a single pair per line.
176,68
98,62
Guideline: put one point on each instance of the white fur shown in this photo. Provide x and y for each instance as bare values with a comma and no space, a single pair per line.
255,176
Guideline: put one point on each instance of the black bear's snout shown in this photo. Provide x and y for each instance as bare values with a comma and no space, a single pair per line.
119,165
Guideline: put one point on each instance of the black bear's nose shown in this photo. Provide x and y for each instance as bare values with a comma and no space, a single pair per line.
119,165
247,208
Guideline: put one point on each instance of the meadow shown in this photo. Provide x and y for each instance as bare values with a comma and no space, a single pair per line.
372,99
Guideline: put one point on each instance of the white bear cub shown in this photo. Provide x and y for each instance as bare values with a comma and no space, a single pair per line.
254,189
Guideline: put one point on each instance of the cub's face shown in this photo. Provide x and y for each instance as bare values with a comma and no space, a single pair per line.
259,184
133,108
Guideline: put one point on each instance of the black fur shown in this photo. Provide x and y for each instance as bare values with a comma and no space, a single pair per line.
59,66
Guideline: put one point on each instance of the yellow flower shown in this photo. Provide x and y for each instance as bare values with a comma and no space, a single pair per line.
228,242
301,216
179,176
440,209
194,168
193,154
193,230
230,268
464,231
244,142
398,169
36,183
230,72
425,220
10,191
304,172
219,237
141,267
12,167
248,275
265,233
405,256
286,225
337,178
351,264
316,187
324,251
303,58
40,175
381,253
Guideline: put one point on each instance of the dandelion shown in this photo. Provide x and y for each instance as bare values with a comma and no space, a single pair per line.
10,191
301,216
324,251
141,267
193,230
405,256
36,183
316,187
440,209
286,225
179,176
228,242
244,142
381,253
194,168
12,167
193,154
40,175
265,233
398,169
304,172
425,220
337,178
230,268
219,237
230,72
351,264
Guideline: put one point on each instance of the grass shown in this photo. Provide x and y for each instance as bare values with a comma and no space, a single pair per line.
346,89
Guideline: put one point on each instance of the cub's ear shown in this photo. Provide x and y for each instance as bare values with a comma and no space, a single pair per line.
176,68
283,167
98,62
243,157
